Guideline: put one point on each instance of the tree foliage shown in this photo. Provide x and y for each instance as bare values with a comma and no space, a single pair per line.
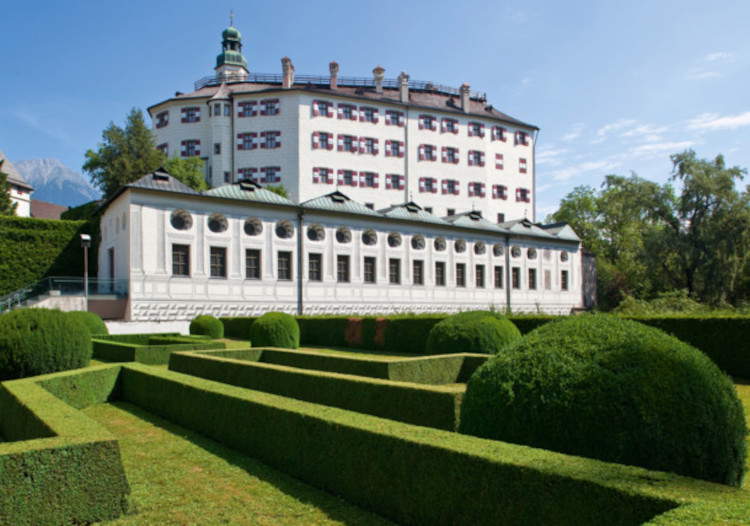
189,171
279,189
651,238
7,206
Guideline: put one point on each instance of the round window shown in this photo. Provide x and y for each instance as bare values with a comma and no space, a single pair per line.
563,256
369,237
343,235
316,233
439,244
417,242
459,245
181,219
531,253
394,239
253,226
217,223
284,229
498,250
480,248
515,252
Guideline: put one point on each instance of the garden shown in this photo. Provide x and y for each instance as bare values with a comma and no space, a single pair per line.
475,418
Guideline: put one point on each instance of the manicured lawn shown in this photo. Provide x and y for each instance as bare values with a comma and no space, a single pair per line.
743,389
178,477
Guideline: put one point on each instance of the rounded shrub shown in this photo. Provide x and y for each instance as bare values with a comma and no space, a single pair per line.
206,325
39,341
275,329
472,331
612,389
94,323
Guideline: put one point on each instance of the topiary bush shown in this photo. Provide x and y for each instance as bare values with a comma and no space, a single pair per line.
612,389
207,326
94,323
275,329
39,341
473,331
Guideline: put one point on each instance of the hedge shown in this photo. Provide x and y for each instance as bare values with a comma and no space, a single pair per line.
206,325
92,321
35,248
237,327
153,349
74,475
275,329
433,406
419,475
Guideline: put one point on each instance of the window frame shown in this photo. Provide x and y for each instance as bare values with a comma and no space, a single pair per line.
370,275
289,270
314,259
186,263
417,272
222,265
259,263
394,278
461,275
343,268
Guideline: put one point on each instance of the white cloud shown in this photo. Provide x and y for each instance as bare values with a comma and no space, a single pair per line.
702,74
525,81
575,170
550,156
714,121
575,131
719,56
615,126
658,148
644,130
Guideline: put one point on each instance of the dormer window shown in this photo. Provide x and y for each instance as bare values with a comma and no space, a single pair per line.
162,119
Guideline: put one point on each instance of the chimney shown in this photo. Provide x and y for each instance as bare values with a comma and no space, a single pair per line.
403,87
333,67
465,100
377,76
287,71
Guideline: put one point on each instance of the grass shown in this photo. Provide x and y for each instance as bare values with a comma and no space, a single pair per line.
178,477
743,390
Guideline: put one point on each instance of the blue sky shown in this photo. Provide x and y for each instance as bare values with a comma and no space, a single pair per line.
614,87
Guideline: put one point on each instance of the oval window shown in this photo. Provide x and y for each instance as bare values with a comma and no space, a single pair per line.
253,226
459,245
480,248
498,250
343,235
394,239
439,244
369,237
181,220
217,223
284,229
316,233
417,242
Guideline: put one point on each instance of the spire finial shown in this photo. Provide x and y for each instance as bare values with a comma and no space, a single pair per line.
231,18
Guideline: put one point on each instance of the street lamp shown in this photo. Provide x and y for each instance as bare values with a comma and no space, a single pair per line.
86,243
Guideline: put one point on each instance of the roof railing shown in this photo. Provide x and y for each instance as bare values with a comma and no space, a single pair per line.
322,80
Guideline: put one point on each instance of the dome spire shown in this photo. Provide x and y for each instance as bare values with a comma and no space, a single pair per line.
231,65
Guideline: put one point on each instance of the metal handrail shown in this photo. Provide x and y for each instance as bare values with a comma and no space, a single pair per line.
64,286
322,80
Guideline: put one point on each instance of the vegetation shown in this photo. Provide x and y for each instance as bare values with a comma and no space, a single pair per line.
279,189
38,341
92,321
154,349
189,171
275,329
207,326
650,238
471,332
7,206
612,389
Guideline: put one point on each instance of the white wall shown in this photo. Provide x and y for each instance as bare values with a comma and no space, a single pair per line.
22,198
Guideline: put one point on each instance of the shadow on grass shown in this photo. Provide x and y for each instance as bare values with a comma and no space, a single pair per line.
335,508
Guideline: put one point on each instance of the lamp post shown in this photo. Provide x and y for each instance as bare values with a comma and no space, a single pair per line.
86,243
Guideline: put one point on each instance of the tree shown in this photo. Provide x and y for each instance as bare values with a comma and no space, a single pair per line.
124,155
189,171
279,189
7,206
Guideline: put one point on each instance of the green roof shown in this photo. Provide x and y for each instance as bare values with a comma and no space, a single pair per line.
526,227
338,202
473,220
413,212
248,191
231,32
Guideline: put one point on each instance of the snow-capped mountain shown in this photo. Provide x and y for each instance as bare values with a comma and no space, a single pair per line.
56,183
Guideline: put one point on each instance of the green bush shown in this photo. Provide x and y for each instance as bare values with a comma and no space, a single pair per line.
407,333
238,327
208,326
611,389
275,329
38,341
328,331
471,332
94,323
147,348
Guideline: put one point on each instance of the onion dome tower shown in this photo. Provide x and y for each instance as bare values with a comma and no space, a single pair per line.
231,66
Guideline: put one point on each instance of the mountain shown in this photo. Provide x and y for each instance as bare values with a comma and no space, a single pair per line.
56,183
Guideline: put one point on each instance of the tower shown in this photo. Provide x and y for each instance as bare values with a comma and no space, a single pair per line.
231,66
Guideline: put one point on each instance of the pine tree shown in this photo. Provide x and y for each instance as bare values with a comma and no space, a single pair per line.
124,155
7,206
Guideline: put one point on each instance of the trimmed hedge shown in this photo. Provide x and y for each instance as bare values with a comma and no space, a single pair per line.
206,325
152,349
431,406
275,329
39,341
237,327
612,389
74,475
419,475
35,248
92,320
471,332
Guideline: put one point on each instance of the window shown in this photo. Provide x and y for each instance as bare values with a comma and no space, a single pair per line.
227,110
217,148
270,174
428,209
450,155
501,218
190,148
247,108
440,274
247,173
246,141
270,107
394,182
227,177
449,186
394,271
369,145
547,280
252,263
368,114
180,260
451,211
460,274
326,141
476,189
163,148
476,129
315,267
417,274
564,280
427,122
516,277
371,206
498,133
347,143
522,138
479,276
346,111
499,276
347,177
322,175
270,140
427,152
394,148
191,114
523,195
322,108
394,118
522,166
532,279
162,119
285,266
370,269
342,269
368,179
499,191
499,161
476,158
218,262
217,109
449,126
428,184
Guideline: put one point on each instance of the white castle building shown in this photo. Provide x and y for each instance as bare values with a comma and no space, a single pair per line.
403,197
381,141
20,191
